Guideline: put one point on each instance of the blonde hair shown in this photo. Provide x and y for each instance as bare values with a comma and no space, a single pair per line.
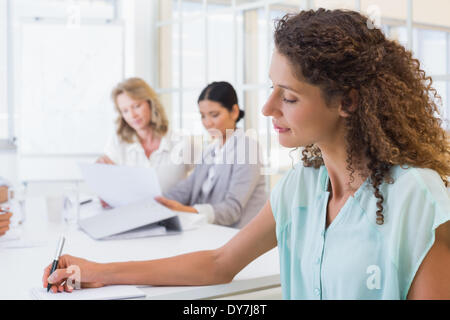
138,89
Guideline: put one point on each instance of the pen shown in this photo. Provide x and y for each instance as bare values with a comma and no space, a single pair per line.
85,202
56,259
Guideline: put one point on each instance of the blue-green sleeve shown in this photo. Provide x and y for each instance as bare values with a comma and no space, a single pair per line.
424,206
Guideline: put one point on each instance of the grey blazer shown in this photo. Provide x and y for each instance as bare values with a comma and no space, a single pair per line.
238,190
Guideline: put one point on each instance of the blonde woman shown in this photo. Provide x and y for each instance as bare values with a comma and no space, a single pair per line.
142,138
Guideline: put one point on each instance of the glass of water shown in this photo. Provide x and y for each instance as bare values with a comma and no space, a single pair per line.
17,204
71,205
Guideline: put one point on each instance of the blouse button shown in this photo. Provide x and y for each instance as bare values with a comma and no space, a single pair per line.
317,291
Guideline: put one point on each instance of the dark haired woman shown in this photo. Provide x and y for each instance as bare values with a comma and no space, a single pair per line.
366,215
227,187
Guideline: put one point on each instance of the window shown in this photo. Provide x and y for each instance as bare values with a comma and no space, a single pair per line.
433,53
432,47
241,54
217,41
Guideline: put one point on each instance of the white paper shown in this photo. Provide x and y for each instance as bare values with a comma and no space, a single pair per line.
13,239
190,221
121,185
104,293
22,243
11,235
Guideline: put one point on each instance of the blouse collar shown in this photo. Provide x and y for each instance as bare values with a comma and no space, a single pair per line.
164,145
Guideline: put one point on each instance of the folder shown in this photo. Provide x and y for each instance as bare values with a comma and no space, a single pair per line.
142,219
131,191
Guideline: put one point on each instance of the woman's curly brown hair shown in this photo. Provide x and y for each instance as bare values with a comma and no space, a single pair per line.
394,122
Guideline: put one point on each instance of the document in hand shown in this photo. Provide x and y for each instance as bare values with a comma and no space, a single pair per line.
121,185
131,192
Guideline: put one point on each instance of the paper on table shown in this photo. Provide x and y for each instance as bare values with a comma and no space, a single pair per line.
22,243
104,293
121,185
13,239
191,221
12,234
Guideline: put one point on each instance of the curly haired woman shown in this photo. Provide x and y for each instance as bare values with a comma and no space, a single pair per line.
366,215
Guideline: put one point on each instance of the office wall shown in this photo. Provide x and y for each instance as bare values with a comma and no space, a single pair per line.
433,12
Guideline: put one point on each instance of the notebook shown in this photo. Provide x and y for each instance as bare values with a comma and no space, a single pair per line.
104,293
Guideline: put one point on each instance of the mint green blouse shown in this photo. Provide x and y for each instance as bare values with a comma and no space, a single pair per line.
354,258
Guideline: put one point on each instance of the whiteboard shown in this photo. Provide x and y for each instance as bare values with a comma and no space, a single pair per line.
66,77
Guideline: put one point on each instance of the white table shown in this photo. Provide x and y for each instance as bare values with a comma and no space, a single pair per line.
22,268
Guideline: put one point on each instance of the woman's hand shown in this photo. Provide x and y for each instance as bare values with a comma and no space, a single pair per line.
175,205
105,160
72,273
5,220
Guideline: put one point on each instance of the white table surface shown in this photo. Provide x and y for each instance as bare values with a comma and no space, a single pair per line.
22,268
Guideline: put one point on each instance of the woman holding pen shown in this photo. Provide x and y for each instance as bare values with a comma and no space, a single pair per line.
366,213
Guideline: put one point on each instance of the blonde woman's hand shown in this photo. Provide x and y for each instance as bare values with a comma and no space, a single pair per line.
72,273
175,205
105,160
